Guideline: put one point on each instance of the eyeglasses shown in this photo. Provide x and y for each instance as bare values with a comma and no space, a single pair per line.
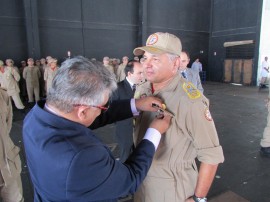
102,108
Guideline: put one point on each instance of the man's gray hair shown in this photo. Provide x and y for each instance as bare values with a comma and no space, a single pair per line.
172,57
80,81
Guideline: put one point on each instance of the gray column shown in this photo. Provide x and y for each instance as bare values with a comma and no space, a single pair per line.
32,29
144,22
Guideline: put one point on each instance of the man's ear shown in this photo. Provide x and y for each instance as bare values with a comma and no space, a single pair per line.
82,112
176,64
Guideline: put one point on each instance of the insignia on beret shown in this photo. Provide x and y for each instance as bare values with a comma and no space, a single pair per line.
191,90
207,114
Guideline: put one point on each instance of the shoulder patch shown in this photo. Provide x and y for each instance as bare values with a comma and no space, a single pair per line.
191,90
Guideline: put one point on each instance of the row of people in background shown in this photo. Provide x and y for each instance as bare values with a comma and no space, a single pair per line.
191,74
35,77
32,80
117,68
9,78
38,76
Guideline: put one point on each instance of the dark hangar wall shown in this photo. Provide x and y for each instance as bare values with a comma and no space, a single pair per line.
95,28
91,28
13,42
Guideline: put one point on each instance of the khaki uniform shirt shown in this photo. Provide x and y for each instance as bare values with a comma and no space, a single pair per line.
192,134
9,80
10,163
31,76
120,74
48,76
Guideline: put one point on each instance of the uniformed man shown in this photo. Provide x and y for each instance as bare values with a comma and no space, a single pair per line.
10,163
41,78
106,63
31,74
43,67
10,63
120,74
173,175
115,64
9,78
22,83
50,72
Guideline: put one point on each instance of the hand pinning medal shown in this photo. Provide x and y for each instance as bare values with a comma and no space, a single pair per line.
161,111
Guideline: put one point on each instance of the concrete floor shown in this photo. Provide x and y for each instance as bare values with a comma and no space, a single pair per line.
240,117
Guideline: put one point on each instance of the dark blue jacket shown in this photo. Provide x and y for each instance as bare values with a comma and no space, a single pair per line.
67,162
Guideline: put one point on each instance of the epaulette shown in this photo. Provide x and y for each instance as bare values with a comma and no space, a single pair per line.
191,90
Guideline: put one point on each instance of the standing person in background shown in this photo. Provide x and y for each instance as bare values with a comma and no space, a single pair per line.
264,73
10,163
125,90
22,83
189,74
31,74
48,58
41,78
9,78
115,64
10,63
265,141
43,66
120,74
197,66
43,63
106,63
173,176
50,73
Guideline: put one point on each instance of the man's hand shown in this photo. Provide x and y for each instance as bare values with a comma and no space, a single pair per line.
145,103
161,125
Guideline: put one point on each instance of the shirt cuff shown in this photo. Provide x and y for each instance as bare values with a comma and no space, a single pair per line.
153,136
134,110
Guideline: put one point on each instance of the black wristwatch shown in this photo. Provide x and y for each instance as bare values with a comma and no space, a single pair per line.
198,199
